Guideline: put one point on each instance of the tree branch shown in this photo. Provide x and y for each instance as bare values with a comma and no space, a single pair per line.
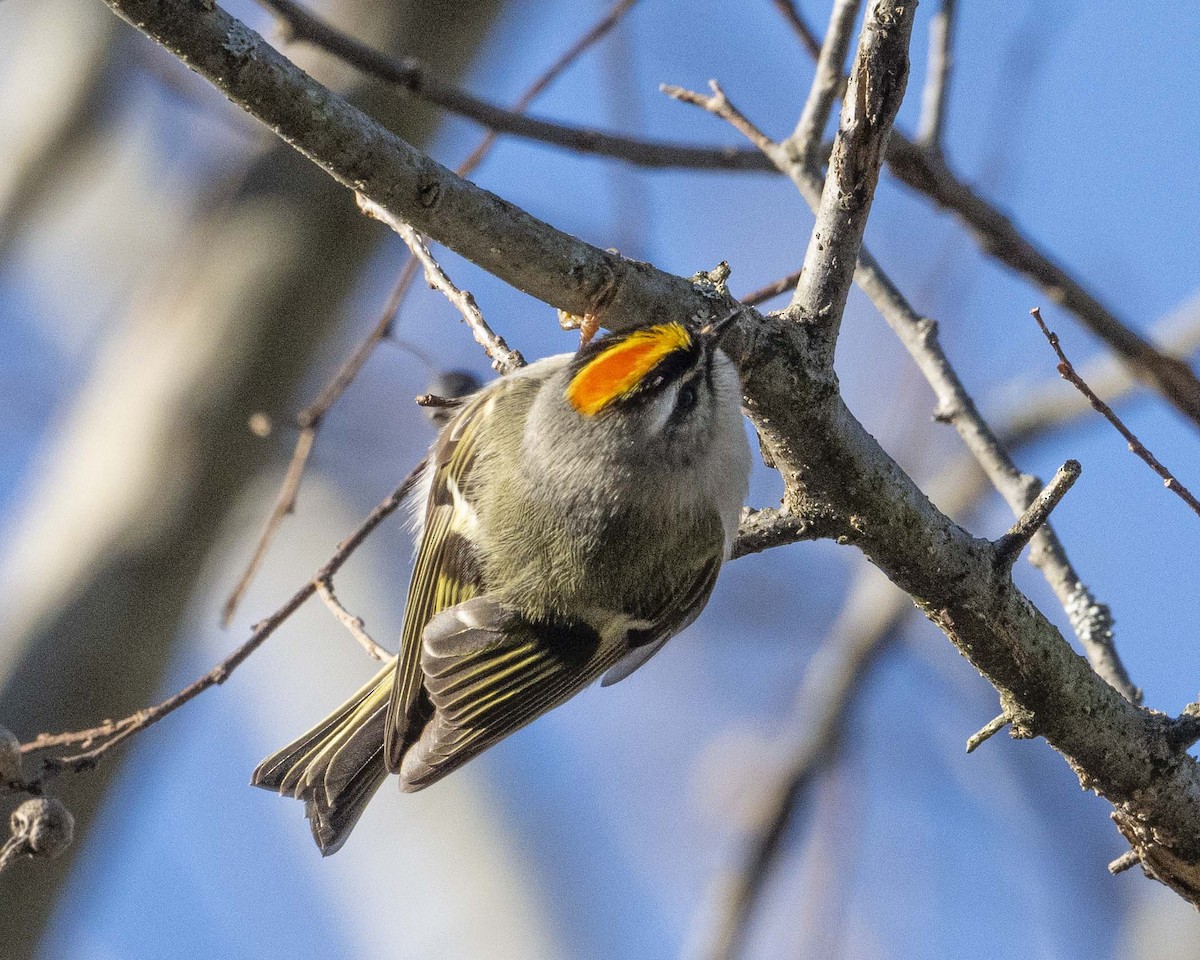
355,625
761,530
824,454
309,421
937,78
986,732
827,86
415,79
504,358
800,27
921,169
493,233
113,732
873,95
1091,620
1009,546
1135,445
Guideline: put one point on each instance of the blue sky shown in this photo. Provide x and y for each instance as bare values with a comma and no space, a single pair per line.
1081,119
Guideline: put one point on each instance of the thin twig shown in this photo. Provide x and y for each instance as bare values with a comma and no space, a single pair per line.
936,95
872,610
348,620
828,85
989,730
1048,404
589,38
803,175
504,358
719,105
773,289
797,22
1009,546
309,421
415,79
310,417
1135,445
113,732
1125,861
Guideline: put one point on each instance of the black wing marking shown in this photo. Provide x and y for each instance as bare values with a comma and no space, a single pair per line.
679,611
446,571
489,672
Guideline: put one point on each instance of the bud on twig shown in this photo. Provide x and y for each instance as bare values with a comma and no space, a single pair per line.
41,827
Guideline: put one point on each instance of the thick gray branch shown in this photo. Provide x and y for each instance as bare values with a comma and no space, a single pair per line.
920,167
873,97
1090,619
1124,752
500,237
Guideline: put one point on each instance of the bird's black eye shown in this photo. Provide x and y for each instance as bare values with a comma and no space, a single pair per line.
686,399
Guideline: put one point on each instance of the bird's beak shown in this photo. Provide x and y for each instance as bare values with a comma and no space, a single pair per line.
713,332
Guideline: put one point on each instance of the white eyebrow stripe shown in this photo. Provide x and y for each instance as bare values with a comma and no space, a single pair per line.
661,408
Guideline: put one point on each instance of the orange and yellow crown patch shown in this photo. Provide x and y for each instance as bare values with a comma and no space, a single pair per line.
620,367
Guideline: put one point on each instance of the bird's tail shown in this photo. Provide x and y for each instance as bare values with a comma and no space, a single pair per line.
337,766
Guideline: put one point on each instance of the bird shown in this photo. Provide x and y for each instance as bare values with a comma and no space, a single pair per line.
572,517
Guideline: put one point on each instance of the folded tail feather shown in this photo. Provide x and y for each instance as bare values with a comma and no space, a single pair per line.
337,766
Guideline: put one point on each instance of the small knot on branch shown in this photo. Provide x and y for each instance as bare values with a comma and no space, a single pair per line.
712,283
1185,729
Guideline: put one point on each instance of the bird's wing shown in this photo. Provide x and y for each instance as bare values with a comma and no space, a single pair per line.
488,672
674,615
447,570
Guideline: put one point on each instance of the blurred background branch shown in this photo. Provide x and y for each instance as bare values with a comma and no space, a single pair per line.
155,450
874,614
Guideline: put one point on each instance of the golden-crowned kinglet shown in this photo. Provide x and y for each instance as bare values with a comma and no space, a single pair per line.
576,513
